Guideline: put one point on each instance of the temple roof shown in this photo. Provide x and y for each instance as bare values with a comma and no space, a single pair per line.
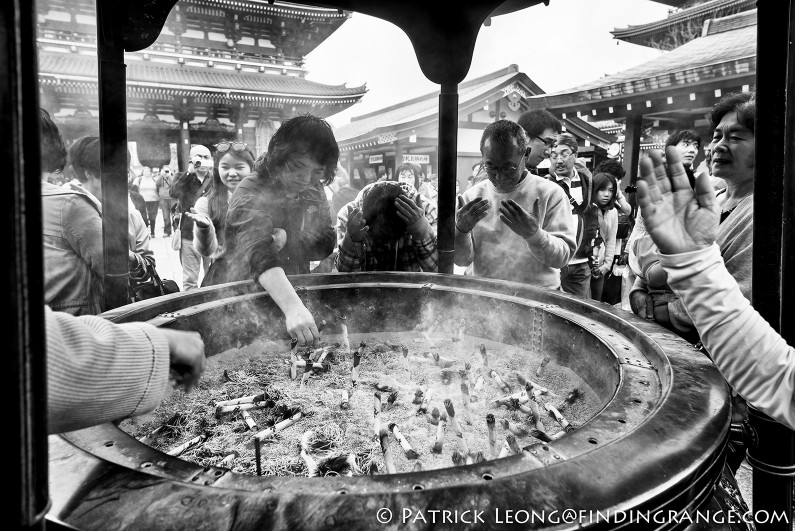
642,33
150,77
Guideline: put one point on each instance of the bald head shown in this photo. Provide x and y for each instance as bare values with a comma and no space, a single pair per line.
201,158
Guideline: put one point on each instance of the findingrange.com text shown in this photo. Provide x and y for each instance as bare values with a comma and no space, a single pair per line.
570,516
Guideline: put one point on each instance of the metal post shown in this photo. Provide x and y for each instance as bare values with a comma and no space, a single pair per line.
632,149
25,383
773,455
448,154
113,136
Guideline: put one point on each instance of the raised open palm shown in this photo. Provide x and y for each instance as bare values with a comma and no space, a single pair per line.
678,219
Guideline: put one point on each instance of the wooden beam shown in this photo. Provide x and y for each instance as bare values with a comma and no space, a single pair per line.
632,149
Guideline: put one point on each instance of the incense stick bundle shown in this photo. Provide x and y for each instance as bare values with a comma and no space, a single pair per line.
508,446
468,369
228,460
316,366
279,426
384,439
407,449
243,400
496,377
357,358
479,383
311,464
426,399
377,413
176,420
177,450
570,399
465,397
417,467
448,406
543,365
469,459
443,362
222,410
558,435
437,445
513,445
249,420
537,389
317,353
479,457
483,355
293,358
541,435
553,411
490,422
344,404
458,458
417,397
391,400
346,345
516,430
433,418
307,369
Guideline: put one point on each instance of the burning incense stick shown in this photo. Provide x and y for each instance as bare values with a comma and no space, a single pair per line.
515,429
433,418
553,411
316,366
344,404
437,445
543,365
430,330
279,426
407,449
390,400
176,420
443,362
293,349
479,457
483,355
243,400
344,326
307,369
496,377
448,405
479,383
537,389
465,396
468,370
222,410
384,438
311,464
426,399
249,420
228,460
323,355
508,446
417,397
541,435
357,358
558,435
417,467
513,445
177,450
377,413
469,459
570,399
458,458
494,451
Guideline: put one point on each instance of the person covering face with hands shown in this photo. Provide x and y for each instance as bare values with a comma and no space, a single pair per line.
516,225
388,227
755,360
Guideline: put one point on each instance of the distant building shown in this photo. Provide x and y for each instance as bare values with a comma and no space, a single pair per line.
218,70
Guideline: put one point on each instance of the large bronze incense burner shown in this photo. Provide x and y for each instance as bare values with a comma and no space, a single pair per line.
656,443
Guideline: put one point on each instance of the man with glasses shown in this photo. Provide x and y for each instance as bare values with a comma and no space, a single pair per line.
575,277
515,225
542,128
187,188
163,182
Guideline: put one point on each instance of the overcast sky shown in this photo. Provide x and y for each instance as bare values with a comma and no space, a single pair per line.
562,45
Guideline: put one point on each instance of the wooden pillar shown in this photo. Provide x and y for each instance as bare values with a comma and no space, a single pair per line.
184,112
773,455
113,150
398,156
24,388
631,155
239,114
448,155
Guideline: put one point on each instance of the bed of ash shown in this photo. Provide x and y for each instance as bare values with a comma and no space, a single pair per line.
263,367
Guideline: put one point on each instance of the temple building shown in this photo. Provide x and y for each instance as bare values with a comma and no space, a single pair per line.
408,131
220,70
674,91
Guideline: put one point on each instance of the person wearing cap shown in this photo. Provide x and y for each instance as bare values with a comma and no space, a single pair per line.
514,226
284,192
388,227
164,181
186,188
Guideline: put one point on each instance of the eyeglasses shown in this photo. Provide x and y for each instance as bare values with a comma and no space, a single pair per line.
223,147
563,155
548,142
497,171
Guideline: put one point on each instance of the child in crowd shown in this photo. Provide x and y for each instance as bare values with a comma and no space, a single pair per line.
603,199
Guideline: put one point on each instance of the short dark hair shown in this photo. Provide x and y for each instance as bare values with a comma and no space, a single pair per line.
53,150
380,212
683,135
84,155
743,103
304,133
536,122
568,140
611,166
502,132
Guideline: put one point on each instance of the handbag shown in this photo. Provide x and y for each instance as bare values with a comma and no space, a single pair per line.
176,239
154,287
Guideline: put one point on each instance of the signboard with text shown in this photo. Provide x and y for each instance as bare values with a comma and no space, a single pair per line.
417,159
376,159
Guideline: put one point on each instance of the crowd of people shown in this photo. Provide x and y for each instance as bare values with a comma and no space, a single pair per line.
293,210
